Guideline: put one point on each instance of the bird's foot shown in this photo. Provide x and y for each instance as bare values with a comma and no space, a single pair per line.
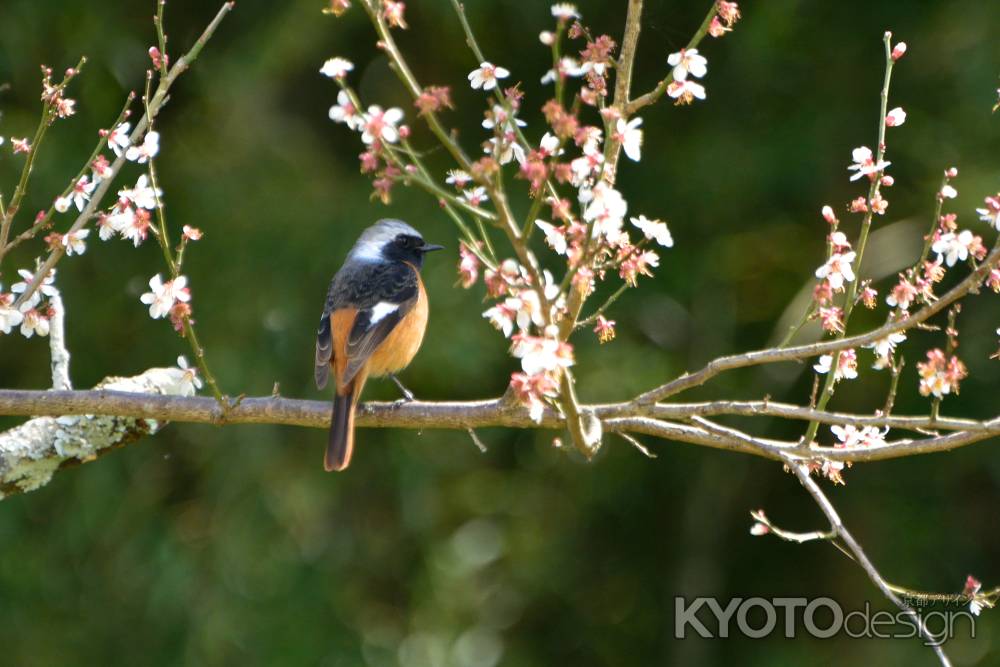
407,394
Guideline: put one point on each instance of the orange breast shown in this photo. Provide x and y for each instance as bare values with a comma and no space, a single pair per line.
401,345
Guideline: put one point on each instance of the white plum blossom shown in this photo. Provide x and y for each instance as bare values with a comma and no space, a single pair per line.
62,204
74,242
852,436
33,323
884,349
948,192
630,137
10,317
687,61
498,116
895,118
953,247
654,229
46,288
686,90
162,296
81,192
476,196
991,213
190,375
118,140
336,68
505,150
847,365
567,67
344,112
458,178
381,125
486,76
865,164
554,236
549,145
142,195
837,270
604,206
564,11
541,355
591,163
149,148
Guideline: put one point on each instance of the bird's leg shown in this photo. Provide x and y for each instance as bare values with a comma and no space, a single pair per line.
407,394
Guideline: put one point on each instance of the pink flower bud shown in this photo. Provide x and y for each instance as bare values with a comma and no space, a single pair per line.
828,215
898,51
404,131
952,172
888,181
546,38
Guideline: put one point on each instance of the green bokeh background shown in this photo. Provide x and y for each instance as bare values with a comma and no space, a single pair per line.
220,546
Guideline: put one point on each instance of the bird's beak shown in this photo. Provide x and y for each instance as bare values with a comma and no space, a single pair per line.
428,247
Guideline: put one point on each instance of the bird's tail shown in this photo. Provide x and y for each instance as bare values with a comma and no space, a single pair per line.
341,443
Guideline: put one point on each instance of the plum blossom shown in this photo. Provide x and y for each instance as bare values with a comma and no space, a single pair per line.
34,322
865,164
380,125
458,178
902,295
468,266
605,329
852,436
555,237
940,375
46,288
142,195
884,349
895,118
21,145
953,247
162,296
837,270
541,354
630,137
344,112
74,242
606,208
190,375
118,140
991,213
336,68
948,192
531,390
564,11
476,196
685,91
566,67
847,365
149,148
654,229
687,61
486,76
62,204
10,317
81,192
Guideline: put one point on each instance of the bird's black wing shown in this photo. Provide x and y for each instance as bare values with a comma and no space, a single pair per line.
382,293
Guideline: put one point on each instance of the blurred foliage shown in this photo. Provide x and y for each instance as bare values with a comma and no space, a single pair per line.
220,546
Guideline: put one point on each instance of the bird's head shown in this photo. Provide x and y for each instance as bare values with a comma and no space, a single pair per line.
394,241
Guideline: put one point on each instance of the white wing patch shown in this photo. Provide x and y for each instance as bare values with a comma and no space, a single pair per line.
381,309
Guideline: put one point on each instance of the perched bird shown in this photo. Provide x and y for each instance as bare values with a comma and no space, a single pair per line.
372,324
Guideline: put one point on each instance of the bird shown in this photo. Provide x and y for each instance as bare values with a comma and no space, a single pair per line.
372,325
